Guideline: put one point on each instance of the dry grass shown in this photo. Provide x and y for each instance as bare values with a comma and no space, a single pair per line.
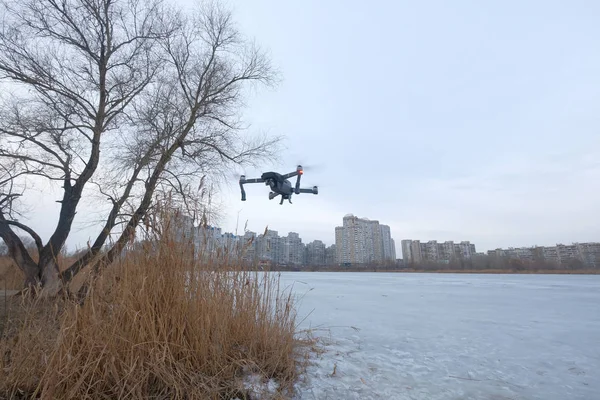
11,278
149,331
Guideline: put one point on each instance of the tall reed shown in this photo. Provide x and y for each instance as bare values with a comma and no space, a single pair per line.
158,324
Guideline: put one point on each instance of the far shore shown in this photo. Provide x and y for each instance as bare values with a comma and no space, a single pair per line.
448,271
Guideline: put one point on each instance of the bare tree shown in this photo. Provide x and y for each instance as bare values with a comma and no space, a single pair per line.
125,99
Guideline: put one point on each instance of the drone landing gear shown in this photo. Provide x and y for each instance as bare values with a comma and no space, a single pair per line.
272,195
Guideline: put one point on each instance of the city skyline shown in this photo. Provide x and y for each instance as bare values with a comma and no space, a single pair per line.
331,240
317,251
253,247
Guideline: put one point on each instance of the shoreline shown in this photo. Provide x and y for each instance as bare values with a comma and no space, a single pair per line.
473,272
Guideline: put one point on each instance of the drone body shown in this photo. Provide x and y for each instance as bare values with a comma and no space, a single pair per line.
279,184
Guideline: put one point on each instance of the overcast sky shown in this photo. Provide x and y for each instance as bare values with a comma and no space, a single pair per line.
459,120
448,120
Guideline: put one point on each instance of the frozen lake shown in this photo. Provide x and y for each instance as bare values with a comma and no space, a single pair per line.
442,336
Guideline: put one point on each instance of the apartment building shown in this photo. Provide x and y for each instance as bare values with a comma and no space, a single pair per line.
415,251
342,245
268,247
464,249
411,251
550,254
207,240
587,253
316,253
361,240
272,248
248,248
331,255
388,244
293,249
568,252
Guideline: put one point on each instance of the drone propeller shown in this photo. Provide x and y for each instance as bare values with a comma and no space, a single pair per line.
236,175
310,167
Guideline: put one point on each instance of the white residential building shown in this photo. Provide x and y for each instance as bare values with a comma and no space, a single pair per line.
293,249
361,240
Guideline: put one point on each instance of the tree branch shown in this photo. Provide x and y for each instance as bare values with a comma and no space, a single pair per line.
32,233
18,252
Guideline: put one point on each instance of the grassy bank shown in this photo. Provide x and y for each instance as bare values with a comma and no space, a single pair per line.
148,331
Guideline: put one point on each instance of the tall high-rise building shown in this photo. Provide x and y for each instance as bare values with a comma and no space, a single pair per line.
342,245
411,251
331,255
248,247
269,247
361,240
315,253
293,252
386,242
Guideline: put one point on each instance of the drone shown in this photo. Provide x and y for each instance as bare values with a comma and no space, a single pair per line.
280,185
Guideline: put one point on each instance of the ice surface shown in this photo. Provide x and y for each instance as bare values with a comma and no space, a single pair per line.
442,336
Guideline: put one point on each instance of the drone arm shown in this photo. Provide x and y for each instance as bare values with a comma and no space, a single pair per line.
297,188
291,175
253,180
314,190
243,191
243,180
299,171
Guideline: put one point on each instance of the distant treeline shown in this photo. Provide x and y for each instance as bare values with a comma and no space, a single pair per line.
478,264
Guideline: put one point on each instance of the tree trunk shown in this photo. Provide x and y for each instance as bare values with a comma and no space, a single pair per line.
50,278
18,252
43,278
30,270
